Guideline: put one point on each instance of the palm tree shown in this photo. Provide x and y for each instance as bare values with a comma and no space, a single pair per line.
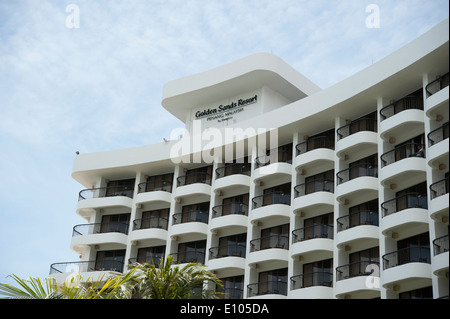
145,281
168,281
33,288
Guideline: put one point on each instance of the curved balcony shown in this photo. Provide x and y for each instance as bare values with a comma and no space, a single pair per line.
194,184
99,233
270,206
315,154
236,175
89,269
438,146
358,230
410,266
437,85
314,193
229,215
438,208
359,137
269,249
314,285
317,239
230,257
102,197
437,96
358,280
150,229
440,256
154,191
191,222
403,117
402,167
357,182
407,213
268,289
273,166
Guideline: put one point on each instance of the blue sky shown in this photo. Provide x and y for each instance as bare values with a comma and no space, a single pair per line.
98,87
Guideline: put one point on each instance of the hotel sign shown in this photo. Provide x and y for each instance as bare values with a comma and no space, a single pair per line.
224,112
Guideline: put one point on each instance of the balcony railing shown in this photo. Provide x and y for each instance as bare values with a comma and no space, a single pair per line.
230,250
191,216
407,255
312,232
267,287
98,228
86,266
439,188
319,185
151,222
106,192
69,267
279,156
414,101
437,85
230,209
234,169
276,197
440,245
438,135
152,260
401,152
312,279
192,178
410,200
268,242
315,143
357,219
358,268
359,170
155,185
359,125
191,256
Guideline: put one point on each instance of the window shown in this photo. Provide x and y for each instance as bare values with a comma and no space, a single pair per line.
322,140
275,237
320,182
277,195
364,167
233,287
319,227
235,205
111,260
159,183
232,246
155,219
195,213
364,214
319,273
192,252
361,259
237,166
412,197
197,175
273,282
423,293
124,187
414,249
115,223
151,255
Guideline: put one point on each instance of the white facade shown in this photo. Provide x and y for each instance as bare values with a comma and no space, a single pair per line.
346,210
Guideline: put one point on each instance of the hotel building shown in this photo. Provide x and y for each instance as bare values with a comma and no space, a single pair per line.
282,189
